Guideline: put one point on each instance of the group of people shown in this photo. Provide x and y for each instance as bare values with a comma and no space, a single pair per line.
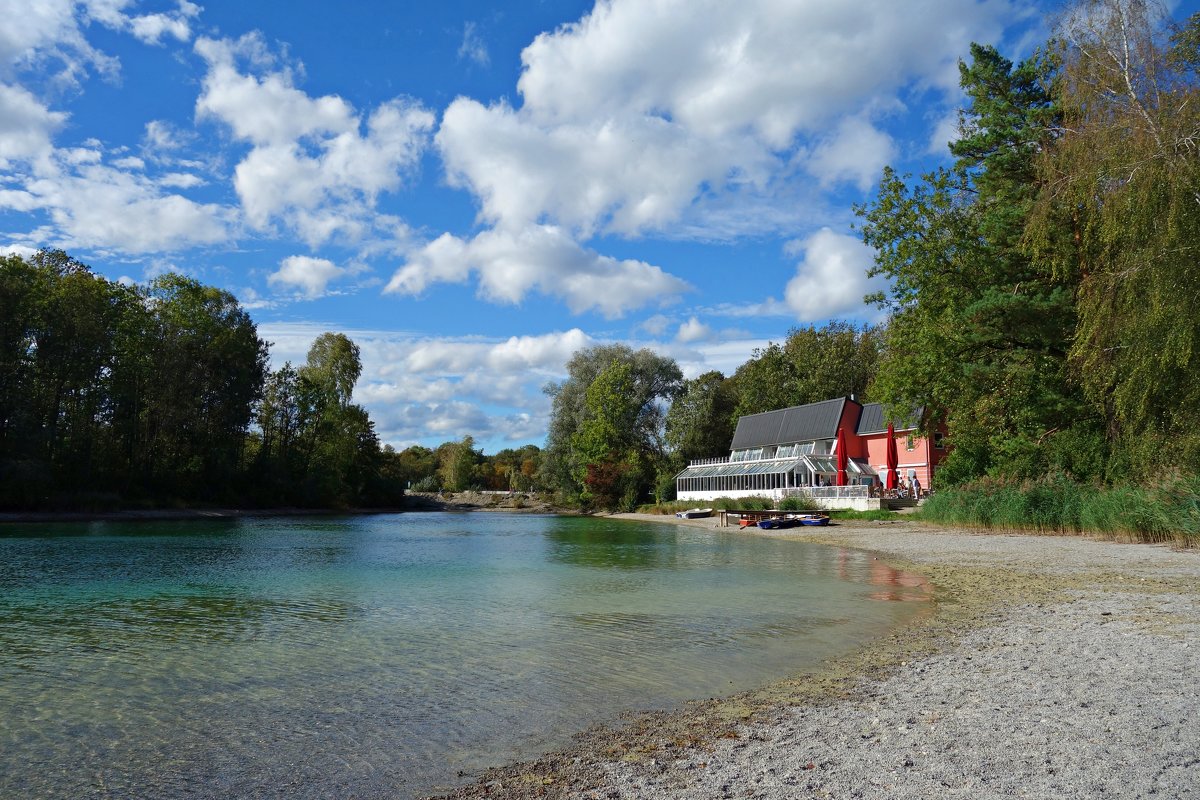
908,487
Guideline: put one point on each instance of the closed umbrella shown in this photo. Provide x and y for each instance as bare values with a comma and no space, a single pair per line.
841,457
893,460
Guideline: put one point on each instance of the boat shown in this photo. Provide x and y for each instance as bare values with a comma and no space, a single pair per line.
772,523
694,513
812,519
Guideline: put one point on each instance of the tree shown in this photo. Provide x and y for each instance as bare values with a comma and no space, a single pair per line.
978,330
456,464
813,364
1119,212
209,366
701,420
653,381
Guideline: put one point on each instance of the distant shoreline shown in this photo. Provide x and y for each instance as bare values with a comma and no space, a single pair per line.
463,501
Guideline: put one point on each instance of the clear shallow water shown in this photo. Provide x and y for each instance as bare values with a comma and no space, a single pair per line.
378,656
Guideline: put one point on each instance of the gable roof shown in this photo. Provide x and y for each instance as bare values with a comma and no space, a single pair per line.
872,420
788,425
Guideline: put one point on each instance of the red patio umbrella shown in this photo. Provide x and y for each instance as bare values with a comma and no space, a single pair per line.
893,460
841,457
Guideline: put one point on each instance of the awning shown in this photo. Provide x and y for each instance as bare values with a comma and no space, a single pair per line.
743,468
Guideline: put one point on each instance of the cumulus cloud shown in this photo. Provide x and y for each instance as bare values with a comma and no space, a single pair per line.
636,111
150,28
693,331
831,279
26,125
685,119
309,277
311,163
856,152
511,263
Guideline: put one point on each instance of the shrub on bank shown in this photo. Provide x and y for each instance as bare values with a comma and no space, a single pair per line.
1057,504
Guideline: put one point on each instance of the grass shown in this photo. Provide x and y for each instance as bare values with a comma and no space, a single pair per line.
1057,504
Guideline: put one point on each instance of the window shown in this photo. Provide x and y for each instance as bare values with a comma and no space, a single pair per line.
939,441
910,442
785,451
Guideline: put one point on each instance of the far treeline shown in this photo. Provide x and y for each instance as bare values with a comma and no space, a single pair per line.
1042,302
114,396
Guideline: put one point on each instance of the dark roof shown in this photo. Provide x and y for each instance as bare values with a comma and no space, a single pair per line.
872,420
796,424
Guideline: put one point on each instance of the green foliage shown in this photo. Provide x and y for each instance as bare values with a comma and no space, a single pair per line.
609,412
1057,504
812,364
456,464
1121,211
112,394
978,330
701,420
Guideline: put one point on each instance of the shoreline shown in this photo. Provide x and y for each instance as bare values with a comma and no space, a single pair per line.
1050,666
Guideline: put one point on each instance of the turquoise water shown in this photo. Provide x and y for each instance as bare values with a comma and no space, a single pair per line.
379,656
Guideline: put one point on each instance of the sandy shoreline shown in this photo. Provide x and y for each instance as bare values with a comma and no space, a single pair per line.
1052,667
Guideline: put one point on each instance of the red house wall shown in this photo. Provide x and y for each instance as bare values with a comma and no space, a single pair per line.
924,458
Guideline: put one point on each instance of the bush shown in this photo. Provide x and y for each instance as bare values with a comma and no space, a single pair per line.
430,483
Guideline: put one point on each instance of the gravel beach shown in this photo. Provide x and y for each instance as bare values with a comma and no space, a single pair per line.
1052,667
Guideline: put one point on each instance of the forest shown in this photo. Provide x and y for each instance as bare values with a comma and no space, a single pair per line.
116,396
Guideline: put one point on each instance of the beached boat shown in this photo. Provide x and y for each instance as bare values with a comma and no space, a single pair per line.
694,513
812,519
772,523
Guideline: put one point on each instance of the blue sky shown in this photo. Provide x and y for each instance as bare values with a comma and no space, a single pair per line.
472,190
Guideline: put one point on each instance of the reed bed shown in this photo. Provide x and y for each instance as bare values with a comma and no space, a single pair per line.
1169,512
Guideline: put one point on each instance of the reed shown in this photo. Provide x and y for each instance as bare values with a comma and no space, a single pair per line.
1169,511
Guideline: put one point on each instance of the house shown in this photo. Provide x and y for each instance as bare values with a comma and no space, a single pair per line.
794,451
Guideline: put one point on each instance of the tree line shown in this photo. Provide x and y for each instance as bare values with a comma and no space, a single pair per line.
114,395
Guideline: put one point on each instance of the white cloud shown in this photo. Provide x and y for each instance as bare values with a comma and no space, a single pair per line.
643,108
945,132
856,152
510,264
150,28
96,206
693,331
685,119
310,164
26,125
306,275
473,46
655,325
831,280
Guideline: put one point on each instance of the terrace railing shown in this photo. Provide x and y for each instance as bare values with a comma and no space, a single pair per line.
828,492
704,462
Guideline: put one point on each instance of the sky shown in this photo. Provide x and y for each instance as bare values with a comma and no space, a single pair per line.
472,191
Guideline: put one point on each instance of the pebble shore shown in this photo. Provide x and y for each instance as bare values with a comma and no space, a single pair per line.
1052,666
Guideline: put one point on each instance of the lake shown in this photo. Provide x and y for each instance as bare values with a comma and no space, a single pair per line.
378,656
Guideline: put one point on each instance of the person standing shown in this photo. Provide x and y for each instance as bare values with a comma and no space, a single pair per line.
916,488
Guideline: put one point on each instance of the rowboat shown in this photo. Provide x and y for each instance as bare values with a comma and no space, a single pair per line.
694,513
772,523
